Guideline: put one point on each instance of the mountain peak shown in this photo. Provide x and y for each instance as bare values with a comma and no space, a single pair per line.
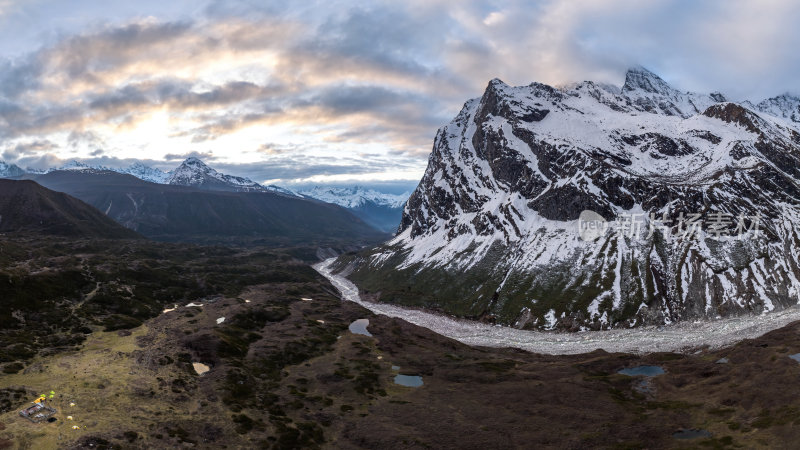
10,170
146,173
191,171
495,88
718,97
194,172
193,161
638,78
74,165
651,93
786,105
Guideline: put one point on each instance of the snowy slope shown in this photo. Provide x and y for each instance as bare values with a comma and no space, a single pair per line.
492,229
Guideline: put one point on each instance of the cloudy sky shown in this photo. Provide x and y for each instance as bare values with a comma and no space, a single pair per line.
338,91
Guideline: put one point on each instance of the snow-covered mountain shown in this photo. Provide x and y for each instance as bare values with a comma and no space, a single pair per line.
191,172
146,173
381,210
652,94
194,172
786,106
137,169
77,165
353,197
10,170
492,231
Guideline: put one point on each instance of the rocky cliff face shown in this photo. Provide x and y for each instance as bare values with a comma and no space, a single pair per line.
699,197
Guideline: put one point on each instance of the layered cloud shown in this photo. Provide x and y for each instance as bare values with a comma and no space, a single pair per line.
301,92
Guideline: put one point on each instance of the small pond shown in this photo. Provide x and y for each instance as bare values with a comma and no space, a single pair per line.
408,380
645,371
795,357
691,434
360,327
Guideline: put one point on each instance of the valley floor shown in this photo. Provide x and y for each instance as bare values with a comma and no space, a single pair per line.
287,372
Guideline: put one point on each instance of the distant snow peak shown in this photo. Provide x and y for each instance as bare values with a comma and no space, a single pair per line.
356,196
76,165
10,170
651,93
640,79
786,106
146,173
194,172
282,190
137,169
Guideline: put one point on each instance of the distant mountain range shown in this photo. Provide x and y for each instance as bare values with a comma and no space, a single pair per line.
189,213
191,172
380,210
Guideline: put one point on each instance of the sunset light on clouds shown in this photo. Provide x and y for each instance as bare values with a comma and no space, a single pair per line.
333,91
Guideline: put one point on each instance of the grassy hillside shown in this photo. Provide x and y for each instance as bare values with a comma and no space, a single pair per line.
27,207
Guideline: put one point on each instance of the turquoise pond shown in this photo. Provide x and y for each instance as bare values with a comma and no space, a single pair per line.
360,327
408,380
